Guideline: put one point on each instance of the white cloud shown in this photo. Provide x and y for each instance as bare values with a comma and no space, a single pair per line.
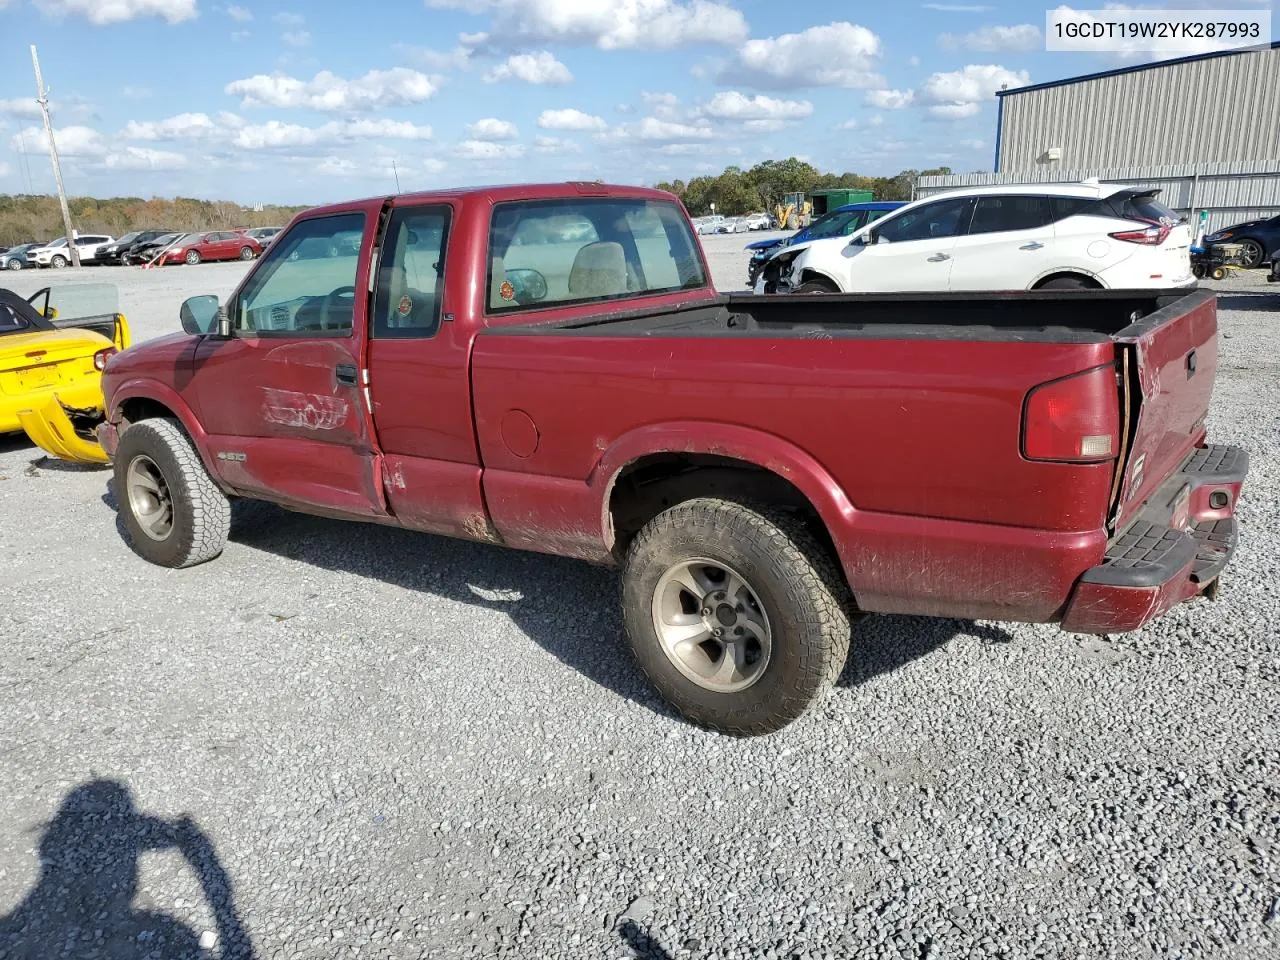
296,38
755,113
569,119
289,19
555,145
20,107
239,14
459,58
539,68
961,93
654,129
913,60
143,158
890,99
238,35
487,150
1022,37
136,93
103,12
184,126
839,54
4,167
74,141
491,128
974,144
875,120
665,106
274,133
958,7
336,167
848,125
611,24
396,87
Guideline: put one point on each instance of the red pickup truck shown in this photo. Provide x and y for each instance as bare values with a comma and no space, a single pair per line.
549,367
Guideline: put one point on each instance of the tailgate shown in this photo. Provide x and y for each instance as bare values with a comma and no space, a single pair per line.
1172,357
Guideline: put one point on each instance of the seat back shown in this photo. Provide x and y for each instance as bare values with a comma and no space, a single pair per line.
599,270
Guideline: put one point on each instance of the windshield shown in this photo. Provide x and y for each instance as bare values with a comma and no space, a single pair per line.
130,236
835,224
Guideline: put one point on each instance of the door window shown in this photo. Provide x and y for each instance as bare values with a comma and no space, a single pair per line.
1017,212
411,274
305,285
945,218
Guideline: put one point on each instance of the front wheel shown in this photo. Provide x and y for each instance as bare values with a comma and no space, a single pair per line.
816,286
193,257
1251,254
15,264
173,512
58,262
735,614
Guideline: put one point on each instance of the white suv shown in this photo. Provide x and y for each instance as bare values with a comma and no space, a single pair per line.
1001,238
57,254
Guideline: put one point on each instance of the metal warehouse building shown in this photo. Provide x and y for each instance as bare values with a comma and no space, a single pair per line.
1203,129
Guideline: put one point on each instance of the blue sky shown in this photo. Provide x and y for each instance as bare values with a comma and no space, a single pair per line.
293,102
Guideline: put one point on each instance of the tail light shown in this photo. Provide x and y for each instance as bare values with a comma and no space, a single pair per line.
102,356
1151,236
1073,420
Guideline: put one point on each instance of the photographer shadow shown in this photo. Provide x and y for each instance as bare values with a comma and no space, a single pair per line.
82,904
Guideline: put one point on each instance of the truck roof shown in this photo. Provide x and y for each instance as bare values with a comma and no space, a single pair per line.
499,193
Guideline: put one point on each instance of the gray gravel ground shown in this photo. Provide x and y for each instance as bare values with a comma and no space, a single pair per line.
393,745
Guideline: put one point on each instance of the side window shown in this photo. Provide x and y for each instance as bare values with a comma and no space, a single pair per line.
1063,207
411,273
998,214
305,284
548,252
945,218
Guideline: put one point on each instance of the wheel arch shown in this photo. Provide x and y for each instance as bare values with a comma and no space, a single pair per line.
1067,273
652,467
145,399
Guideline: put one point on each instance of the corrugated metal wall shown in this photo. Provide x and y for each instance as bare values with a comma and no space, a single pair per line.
1224,108
1230,192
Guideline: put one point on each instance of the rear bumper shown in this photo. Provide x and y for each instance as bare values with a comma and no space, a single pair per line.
1173,550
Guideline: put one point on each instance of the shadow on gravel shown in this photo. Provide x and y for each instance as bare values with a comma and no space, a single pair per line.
882,644
1263,300
567,607
82,905
643,946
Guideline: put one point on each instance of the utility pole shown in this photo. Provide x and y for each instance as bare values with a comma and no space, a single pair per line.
396,173
42,98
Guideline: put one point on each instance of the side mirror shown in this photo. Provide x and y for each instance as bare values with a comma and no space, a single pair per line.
202,316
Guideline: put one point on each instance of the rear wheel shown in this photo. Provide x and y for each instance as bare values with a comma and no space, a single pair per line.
192,257
1251,254
246,253
735,614
1218,273
174,513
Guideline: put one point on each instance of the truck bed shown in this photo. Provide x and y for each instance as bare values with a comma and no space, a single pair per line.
1051,316
909,407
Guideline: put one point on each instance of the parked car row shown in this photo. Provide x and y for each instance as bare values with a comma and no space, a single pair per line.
1041,236
142,246
721,224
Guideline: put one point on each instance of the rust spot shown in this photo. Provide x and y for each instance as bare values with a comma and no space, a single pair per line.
477,527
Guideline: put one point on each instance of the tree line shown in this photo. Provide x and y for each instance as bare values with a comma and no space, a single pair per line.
28,217
738,191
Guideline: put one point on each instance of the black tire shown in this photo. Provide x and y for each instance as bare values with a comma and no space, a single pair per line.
192,257
798,589
246,253
816,286
201,518
1218,273
15,265
1251,254
1068,283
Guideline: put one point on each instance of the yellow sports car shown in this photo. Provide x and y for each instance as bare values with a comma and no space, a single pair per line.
51,372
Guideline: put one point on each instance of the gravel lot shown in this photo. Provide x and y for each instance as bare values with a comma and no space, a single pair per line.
393,745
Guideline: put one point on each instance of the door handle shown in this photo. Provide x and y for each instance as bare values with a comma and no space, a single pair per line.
939,257
345,373
1033,245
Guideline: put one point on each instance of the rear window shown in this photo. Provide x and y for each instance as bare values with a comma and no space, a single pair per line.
994,214
551,252
10,322
1141,207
